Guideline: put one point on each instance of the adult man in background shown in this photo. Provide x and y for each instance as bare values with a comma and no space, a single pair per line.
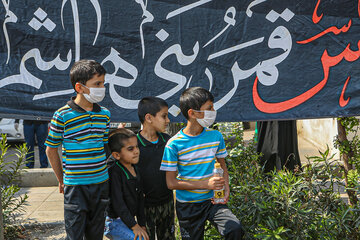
32,129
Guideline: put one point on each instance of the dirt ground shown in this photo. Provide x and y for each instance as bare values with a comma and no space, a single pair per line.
45,232
42,232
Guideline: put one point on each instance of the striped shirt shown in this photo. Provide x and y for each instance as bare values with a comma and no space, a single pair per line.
82,135
194,158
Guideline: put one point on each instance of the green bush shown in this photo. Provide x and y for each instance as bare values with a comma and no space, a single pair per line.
9,175
304,204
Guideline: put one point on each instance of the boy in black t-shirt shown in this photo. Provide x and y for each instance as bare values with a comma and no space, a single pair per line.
159,204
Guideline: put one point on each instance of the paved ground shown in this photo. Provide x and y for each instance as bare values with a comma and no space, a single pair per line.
44,204
43,216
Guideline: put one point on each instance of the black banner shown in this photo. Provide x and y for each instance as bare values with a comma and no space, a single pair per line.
261,59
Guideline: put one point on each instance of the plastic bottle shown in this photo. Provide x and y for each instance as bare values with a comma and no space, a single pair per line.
219,195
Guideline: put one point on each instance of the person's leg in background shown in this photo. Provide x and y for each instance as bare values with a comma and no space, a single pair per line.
29,134
41,131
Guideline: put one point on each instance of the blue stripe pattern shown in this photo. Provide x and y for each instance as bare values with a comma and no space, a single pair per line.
82,135
194,159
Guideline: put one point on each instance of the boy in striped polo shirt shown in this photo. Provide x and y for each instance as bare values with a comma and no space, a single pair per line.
189,159
82,127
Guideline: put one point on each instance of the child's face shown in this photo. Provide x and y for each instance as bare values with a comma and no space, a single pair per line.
95,82
209,105
129,153
161,120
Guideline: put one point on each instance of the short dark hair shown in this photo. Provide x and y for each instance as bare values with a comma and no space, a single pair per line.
83,70
194,98
151,105
118,137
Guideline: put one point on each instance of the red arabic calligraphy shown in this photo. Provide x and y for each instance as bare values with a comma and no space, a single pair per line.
315,17
327,62
342,101
332,29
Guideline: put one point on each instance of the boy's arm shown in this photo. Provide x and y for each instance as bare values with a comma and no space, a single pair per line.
118,203
173,183
226,178
169,164
56,164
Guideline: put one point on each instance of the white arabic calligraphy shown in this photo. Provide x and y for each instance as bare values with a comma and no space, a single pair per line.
148,18
229,20
119,63
186,8
97,8
179,79
235,48
75,12
266,71
112,79
53,94
253,3
27,78
9,17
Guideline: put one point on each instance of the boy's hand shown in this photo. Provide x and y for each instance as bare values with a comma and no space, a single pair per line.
139,232
226,196
216,183
61,188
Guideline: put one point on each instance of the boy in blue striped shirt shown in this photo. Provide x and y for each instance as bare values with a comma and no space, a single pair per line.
82,127
189,159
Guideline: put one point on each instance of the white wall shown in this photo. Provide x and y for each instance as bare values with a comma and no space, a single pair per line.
319,133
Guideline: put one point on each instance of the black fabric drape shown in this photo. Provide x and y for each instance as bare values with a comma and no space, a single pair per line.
277,140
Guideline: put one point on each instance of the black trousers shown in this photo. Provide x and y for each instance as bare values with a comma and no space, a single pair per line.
160,221
192,218
84,211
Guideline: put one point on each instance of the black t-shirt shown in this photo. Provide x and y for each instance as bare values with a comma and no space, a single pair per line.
153,180
126,195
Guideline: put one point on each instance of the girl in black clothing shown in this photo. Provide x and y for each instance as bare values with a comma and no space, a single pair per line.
126,194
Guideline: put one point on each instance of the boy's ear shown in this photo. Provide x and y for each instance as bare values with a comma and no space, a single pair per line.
116,155
148,117
191,113
78,88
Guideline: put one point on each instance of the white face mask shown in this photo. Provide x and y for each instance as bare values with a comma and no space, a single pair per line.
209,118
96,94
